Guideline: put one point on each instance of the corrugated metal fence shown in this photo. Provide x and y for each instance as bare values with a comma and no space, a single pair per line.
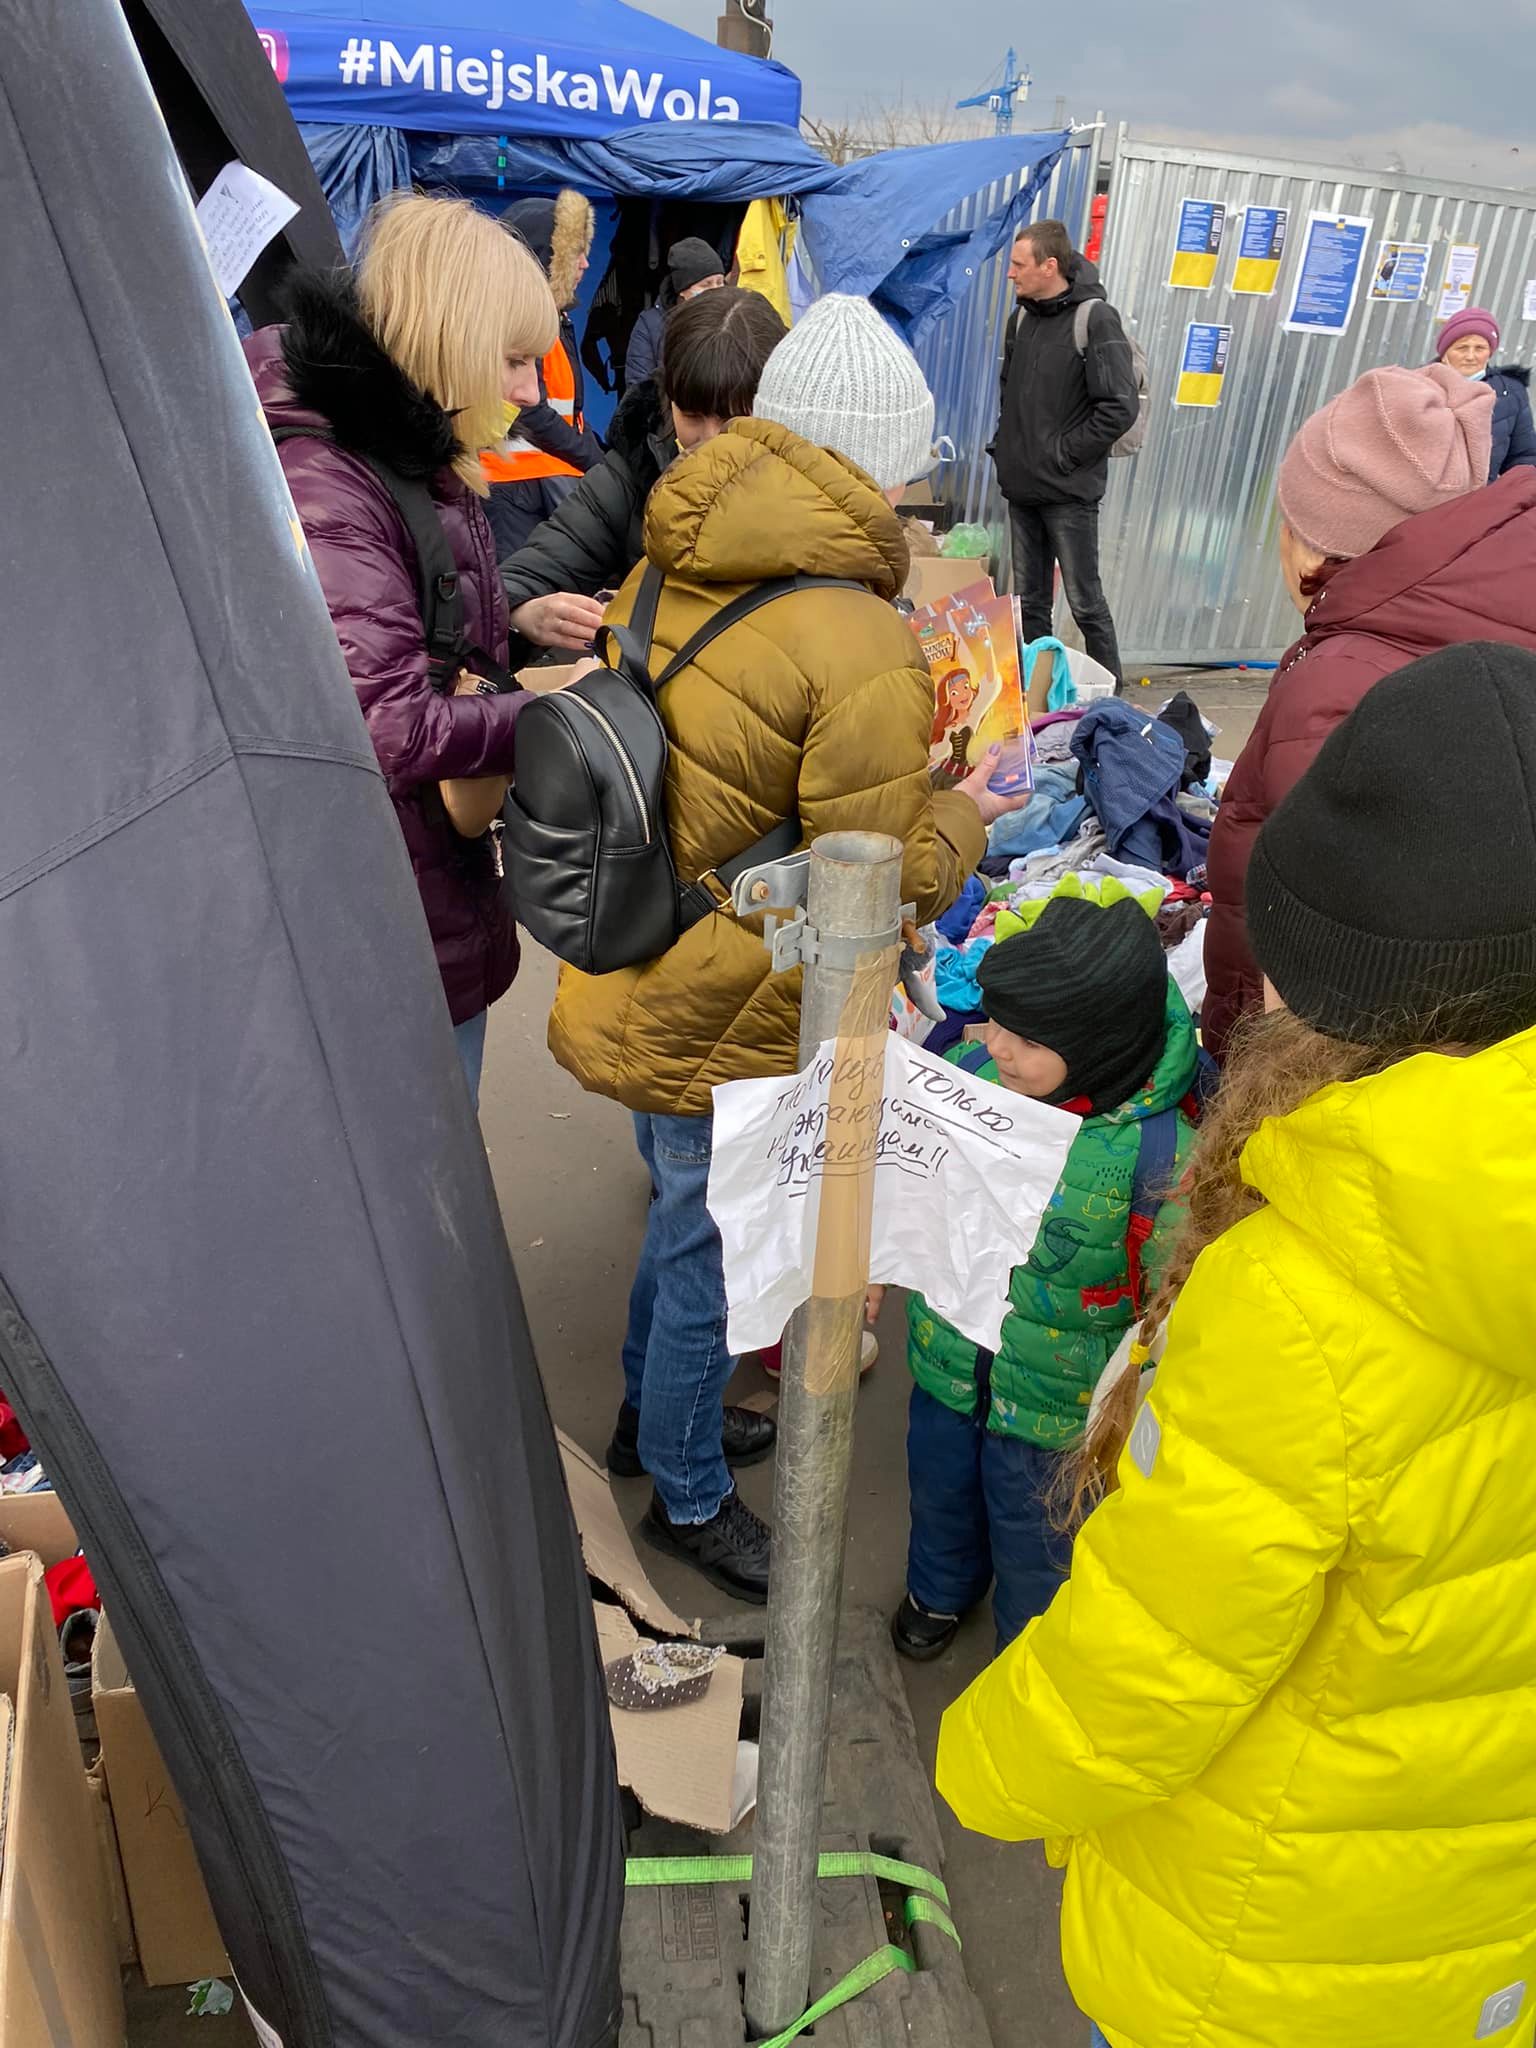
1190,526
962,355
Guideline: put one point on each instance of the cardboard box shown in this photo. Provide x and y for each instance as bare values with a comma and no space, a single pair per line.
607,1549
112,1865
37,1522
173,1925
60,1983
932,577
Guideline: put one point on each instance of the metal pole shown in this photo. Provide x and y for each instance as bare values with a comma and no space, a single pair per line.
853,917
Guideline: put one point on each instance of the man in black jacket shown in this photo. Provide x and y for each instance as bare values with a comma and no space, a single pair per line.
1063,409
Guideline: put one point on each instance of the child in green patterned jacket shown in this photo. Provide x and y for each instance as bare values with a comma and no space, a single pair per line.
1081,1011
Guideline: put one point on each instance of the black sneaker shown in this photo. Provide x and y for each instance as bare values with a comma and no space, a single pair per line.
731,1551
921,1636
746,1438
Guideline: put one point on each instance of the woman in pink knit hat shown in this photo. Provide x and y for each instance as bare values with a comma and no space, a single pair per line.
1468,343
1392,544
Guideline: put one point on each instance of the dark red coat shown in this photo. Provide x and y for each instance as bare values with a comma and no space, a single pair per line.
325,370
1466,571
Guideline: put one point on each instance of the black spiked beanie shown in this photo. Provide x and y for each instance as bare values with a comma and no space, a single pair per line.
1392,896
1091,982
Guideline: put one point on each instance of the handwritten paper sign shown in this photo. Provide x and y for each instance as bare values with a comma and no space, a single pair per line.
963,1173
239,214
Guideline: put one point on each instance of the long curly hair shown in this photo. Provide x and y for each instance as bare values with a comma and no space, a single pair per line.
1276,1064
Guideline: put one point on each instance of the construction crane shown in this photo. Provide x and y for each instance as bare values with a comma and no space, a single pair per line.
998,99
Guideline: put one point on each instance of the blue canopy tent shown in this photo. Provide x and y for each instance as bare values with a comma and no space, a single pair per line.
473,96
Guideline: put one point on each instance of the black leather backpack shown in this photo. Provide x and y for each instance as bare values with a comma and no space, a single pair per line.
588,857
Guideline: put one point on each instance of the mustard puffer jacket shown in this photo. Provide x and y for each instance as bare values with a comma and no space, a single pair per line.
1285,1707
818,705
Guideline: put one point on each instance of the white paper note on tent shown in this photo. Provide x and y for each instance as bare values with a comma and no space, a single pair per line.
239,214
964,1174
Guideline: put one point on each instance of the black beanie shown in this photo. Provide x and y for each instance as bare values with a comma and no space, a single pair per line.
690,261
1392,896
1090,981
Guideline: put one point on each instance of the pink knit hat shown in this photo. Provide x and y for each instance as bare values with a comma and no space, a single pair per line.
1395,443
1471,320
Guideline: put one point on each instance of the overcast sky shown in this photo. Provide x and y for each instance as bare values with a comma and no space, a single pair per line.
1449,87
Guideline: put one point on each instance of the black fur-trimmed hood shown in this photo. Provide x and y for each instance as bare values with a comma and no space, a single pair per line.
326,363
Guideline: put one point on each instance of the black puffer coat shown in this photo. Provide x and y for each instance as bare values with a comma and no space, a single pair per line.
596,537
1514,435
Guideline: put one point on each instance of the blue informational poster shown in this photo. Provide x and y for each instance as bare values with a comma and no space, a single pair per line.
1402,270
1260,247
1197,245
1328,277
1204,366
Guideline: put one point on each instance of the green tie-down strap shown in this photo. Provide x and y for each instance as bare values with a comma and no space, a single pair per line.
927,1900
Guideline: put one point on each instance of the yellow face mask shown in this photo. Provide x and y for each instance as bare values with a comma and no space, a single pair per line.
509,412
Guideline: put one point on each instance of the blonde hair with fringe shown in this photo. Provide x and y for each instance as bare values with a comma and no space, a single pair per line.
451,295
1277,1063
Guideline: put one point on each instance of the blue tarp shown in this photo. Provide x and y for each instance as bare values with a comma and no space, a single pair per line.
491,67
870,227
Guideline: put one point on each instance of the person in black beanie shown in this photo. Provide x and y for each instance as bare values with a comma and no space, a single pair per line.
693,266
1282,1709
1082,1013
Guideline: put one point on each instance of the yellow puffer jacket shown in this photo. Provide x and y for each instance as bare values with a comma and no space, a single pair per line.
1285,1708
817,705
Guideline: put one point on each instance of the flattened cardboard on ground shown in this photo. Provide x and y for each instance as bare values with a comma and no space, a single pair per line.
173,1925
680,1762
59,1976
607,1547
932,577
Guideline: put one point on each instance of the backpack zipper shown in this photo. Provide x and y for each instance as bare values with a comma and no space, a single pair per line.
625,763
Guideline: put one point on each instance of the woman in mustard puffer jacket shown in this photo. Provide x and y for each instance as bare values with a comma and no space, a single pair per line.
1281,1722
816,707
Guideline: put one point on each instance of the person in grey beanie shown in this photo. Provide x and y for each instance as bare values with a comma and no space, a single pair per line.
816,709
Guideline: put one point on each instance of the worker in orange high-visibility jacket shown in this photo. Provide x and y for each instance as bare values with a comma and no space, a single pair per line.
547,446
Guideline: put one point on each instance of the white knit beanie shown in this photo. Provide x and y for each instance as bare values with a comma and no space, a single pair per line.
844,381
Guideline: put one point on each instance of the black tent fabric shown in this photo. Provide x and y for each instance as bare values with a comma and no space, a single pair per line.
258,1311
221,100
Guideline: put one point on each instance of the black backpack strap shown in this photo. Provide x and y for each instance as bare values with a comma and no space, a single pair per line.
742,607
438,596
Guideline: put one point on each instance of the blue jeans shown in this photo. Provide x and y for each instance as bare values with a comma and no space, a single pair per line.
469,1037
1095,2038
978,1512
675,1361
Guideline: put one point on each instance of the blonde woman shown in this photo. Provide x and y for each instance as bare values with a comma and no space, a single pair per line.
408,365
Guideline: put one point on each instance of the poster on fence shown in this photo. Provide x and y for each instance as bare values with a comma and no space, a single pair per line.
1260,248
1204,365
1328,276
1461,263
1401,273
1197,245
964,1171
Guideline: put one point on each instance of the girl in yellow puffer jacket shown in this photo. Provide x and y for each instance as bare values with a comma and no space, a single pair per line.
1280,1724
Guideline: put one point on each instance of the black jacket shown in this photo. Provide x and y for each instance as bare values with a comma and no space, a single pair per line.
1514,435
596,537
1062,412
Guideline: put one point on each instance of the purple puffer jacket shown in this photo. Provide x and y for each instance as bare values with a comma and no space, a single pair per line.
325,370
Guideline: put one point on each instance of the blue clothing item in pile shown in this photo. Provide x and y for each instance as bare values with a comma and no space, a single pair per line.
956,971
955,924
1050,817
1132,767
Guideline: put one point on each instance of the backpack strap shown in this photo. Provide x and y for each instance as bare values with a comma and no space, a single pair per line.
632,644
1080,319
438,596
1150,1187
